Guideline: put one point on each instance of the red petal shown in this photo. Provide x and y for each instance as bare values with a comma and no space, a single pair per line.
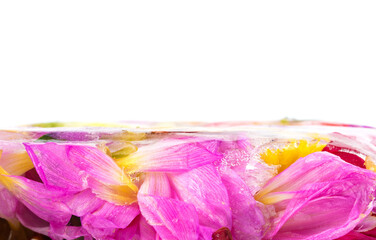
347,155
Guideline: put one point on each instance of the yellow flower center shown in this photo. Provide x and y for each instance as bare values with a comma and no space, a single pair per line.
291,152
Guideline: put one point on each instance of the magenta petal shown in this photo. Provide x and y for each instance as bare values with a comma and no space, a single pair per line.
112,216
96,163
68,232
156,184
32,221
83,203
44,202
75,168
57,232
319,196
169,156
8,204
306,218
247,219
68,166
147,232
54,167
172,219
130,232
205,233
203,188
107,219
316,167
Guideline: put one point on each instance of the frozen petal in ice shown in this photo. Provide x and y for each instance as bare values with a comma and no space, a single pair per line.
203,188
75,168
172,219
171,156
247,219
318,196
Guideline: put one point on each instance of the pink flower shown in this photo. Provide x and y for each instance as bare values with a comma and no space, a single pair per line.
167,190
318,197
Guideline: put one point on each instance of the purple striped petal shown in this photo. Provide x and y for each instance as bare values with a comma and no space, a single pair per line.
203,188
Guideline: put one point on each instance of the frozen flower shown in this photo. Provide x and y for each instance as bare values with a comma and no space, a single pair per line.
291,152
171,190
318,197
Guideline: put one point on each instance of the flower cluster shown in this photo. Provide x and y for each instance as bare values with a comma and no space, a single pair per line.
186,186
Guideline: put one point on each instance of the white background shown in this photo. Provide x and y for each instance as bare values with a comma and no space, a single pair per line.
187,60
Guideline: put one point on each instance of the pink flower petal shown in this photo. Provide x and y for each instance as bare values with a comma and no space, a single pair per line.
112,216
107,180
32,221
319,196
316,167
68,232
206,233
75,168
130,232
172,219
156,184
96,163
83,203
247,219
170,156
54,167
41,201
203,188
316,217
57,232
147,232
8,204
105,221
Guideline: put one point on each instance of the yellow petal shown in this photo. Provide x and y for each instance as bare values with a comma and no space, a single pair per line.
17,163
273,198
6,181
291,152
